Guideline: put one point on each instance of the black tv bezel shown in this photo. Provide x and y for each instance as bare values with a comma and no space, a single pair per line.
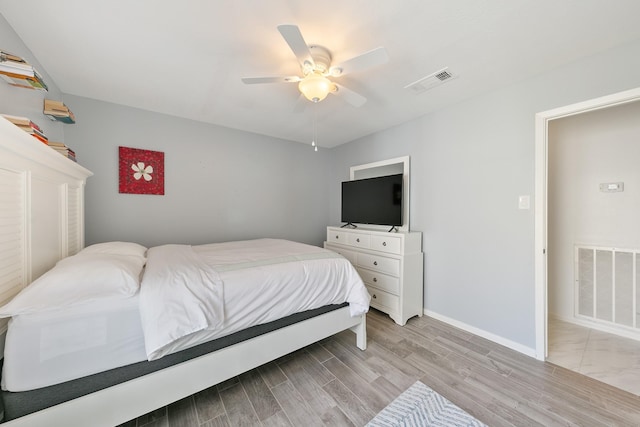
400,222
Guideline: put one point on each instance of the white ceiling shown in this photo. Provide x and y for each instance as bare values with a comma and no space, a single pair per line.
186,58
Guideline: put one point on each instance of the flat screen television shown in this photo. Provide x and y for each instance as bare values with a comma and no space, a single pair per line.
373,201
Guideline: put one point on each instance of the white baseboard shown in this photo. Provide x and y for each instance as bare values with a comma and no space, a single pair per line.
484,334
622,331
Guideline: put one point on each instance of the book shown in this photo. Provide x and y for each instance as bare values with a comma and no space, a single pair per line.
14,80
61,148
27,82
33,131
25,124
11,63
64,119
22,122
39,138
16,68
29,79
6,56
17,120
57,111
55,105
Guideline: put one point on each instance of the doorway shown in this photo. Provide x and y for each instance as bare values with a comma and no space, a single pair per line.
542,121
593,235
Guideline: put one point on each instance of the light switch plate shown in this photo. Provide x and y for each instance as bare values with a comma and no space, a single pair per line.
612,187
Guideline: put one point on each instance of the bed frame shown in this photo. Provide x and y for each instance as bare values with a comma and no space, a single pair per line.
123,402
42,221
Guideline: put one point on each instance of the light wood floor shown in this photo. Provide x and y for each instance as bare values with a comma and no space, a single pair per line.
334,383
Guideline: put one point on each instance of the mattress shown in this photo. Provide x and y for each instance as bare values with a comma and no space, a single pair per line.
256,281
22,403
56,346
263,280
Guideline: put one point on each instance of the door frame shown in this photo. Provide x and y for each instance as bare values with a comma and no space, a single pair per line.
542,120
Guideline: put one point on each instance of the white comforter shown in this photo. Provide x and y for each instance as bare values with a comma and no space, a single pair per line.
191,294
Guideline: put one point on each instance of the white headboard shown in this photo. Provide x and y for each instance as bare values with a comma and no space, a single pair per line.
41,209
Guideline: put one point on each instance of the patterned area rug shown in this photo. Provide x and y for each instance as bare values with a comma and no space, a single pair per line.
421,406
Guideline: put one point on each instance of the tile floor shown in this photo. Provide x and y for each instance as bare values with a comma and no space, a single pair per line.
606,357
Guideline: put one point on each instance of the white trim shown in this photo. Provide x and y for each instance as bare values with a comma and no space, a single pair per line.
542,120
540,237
19,143
482,333
603,327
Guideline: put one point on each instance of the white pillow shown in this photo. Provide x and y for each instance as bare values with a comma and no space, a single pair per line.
78,279
116,248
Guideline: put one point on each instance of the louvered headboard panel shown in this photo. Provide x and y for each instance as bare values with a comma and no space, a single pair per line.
41,209
12,235
75,225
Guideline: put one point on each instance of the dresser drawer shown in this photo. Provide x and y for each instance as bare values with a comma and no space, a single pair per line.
383,300
379,263
359,240
350,255
389,244
382,281
334,236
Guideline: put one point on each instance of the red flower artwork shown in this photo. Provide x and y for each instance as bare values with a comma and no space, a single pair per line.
141,171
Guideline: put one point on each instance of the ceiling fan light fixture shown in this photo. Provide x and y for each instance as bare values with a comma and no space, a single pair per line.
335,71
315,87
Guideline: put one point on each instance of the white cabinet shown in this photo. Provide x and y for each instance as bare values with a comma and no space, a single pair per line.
390,264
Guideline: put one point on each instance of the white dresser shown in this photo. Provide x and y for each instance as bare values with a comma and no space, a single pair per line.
390,264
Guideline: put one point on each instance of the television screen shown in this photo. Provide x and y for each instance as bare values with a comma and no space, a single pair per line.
373,200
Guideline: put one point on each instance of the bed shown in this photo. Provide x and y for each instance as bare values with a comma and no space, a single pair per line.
151,322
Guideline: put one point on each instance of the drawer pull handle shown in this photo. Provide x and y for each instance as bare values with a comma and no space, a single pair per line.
374,296
358,240
375,262
337,237
375,280
384,243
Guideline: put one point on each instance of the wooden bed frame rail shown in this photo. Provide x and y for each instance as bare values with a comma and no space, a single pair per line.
123,402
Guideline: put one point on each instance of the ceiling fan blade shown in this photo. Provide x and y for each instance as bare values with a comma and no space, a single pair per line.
372,58
294,39
281,79
350,96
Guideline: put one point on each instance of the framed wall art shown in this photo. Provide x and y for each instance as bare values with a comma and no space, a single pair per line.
141,171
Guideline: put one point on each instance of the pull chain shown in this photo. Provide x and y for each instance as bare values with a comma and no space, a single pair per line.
314,129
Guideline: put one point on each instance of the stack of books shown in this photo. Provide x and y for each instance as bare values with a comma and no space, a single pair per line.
18,72
63,149
57,111
28,126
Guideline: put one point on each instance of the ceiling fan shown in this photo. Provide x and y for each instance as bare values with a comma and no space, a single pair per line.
316,67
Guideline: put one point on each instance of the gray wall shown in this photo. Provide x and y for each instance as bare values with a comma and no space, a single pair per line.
25,102
220,184
469,164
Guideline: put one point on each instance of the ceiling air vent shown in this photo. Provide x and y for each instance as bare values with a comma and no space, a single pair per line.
430,81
